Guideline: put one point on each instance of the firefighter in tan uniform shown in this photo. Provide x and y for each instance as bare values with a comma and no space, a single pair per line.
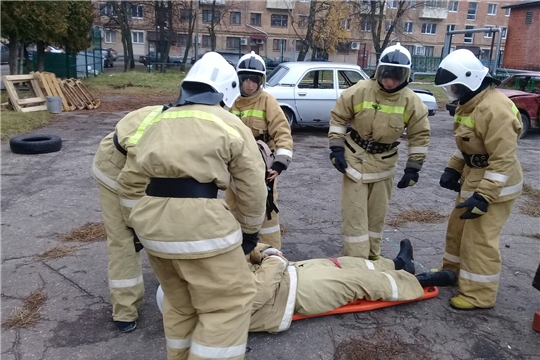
317,286
485,171
261,112
377,111
173,172
124,270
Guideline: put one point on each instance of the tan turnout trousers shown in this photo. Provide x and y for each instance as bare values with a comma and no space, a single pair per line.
209,318
125,270
363,209
472,252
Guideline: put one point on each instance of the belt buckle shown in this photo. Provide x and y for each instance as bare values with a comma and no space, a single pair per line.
369,146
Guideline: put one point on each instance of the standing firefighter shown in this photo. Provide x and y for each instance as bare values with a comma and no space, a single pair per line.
261,112
124,270
180,160
486,128
377,110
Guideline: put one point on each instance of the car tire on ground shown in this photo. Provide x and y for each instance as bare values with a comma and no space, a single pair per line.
431,112
526,125
290,117
35,144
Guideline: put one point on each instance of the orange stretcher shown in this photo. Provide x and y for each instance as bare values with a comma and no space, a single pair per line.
365,305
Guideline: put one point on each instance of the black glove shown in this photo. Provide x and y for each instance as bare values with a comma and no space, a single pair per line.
409,178
338,158
450,179
277,166
249,241
476,206
136,241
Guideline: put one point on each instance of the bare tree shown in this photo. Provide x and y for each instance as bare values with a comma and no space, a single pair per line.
218,10
119,18
185,12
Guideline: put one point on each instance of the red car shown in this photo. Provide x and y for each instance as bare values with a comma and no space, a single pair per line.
524,90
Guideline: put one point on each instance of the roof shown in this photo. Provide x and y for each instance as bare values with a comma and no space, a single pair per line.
522,4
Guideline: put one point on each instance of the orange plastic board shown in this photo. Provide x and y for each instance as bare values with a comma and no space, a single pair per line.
366,305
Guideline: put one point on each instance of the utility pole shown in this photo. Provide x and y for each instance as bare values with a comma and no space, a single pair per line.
196,30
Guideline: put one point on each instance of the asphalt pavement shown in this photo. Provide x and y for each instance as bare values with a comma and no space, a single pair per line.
45,196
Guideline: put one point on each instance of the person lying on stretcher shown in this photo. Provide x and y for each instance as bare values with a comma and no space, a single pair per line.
317,286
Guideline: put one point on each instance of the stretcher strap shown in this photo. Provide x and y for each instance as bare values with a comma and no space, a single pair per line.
366,305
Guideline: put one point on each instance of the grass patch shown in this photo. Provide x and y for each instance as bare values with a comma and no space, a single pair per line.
421,216
27,314
137,82
438,92
58,252
531,206
89,232
14,123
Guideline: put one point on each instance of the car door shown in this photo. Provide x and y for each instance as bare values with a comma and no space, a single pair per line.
315,95
347,78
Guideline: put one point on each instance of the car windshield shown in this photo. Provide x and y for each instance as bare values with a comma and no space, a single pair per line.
276,75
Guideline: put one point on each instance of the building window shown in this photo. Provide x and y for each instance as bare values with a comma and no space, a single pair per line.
207,16
233,42
453,6
393,4
529,17
137,37
107,9
468,38
136,11
388,25
471,13
236,17
408,28
365,25
276,44
429,51
433,3
255,19
492,9
504,30
110,36
410,48
507,13
303,21
450,28
185,14
206,41
298,45
278,20
345,24
182,39
488,34
411,4
429,28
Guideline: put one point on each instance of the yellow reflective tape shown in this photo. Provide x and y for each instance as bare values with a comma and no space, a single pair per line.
477,211
252,112
400,110
514,109
465,120
140,130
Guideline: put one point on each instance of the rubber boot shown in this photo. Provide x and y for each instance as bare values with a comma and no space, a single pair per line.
404,259
439,278
460,303
126,326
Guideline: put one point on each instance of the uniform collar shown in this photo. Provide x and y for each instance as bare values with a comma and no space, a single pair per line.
249,100
470,105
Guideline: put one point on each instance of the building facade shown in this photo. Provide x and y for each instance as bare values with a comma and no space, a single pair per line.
275,28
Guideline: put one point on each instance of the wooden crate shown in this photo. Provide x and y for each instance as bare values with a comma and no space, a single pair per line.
36,103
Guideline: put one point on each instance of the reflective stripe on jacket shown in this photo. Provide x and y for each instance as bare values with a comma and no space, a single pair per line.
263,115
381,117
489,124
205,143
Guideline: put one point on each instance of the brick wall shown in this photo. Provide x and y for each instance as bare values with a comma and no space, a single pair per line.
522,44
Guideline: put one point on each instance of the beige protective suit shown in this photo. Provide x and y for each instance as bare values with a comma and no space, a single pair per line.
193,242
367,185
488,126
124,270
263,115
319,285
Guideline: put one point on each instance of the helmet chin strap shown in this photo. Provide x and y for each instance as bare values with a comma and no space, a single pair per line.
393,90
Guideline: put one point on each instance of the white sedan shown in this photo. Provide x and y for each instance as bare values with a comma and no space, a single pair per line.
307,91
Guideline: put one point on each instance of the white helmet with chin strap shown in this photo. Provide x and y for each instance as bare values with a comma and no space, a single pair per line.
213,70
251,66
460,67
394,63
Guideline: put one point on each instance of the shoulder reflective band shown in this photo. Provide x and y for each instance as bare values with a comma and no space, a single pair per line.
182,114
252,112
140,130
465,120
400,110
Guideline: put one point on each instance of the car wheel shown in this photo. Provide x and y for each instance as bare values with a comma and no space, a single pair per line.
526,125
35,144
431,112
290,117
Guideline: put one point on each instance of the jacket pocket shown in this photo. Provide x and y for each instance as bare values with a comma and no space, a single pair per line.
259,126
468,141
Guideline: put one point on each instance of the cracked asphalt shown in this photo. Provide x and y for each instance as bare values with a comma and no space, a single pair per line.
44,196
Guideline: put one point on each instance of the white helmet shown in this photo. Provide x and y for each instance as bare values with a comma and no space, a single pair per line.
212,69
251,65
395,63
460,67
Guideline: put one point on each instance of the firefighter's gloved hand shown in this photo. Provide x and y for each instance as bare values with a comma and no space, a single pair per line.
450,179
249,241
338,158
476,206
271,251
136,241
410,177
278,166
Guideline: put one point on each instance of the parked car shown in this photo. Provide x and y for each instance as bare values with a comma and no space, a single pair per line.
231,57
53,49
524,90
5,54
307,90
152,58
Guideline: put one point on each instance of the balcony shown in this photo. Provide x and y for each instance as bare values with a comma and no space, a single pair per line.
210,2
437,13
280,4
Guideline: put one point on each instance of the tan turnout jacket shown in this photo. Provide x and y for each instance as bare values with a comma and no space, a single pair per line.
205,143
489,124
380,117
263,115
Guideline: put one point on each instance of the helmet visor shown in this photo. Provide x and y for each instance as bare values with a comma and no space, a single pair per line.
398,73
395,57
251,77
444,76
252,63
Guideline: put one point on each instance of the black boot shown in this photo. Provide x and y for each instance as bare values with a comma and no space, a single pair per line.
439,278
404,260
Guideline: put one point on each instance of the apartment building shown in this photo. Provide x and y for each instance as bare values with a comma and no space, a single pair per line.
274,28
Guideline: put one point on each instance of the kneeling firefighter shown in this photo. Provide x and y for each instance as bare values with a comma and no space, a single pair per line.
180,159
261,112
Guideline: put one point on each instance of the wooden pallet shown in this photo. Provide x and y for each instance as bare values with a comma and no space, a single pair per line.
36,103
51,87
79,94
